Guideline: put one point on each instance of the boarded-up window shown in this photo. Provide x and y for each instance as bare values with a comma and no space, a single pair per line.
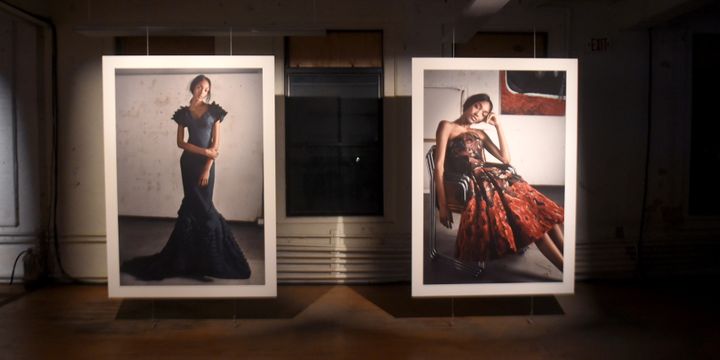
508,45
165,45
338,49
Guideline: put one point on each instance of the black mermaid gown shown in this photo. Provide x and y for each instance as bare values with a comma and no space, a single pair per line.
201,244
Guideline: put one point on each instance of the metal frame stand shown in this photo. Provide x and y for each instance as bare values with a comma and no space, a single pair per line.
431,251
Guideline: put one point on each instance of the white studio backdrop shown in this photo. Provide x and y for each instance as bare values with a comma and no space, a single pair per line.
148,159
537,143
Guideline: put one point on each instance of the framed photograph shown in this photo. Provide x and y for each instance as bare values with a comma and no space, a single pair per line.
190,176
494,147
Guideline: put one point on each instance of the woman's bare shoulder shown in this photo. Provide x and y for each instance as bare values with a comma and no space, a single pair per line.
447,129
446,125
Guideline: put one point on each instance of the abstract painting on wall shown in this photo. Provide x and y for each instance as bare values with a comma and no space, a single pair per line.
533,92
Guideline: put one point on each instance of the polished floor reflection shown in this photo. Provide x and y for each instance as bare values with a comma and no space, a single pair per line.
601,321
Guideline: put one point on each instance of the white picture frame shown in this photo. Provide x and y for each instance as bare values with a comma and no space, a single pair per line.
148,90
553,166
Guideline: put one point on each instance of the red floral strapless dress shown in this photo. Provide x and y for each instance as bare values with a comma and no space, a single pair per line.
505,214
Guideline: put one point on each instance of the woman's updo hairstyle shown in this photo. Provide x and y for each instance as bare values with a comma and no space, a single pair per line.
476,98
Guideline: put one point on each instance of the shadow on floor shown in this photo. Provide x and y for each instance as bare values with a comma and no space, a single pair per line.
291,301
10,293
396,300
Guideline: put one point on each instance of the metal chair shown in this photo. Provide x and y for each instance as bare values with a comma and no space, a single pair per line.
458,190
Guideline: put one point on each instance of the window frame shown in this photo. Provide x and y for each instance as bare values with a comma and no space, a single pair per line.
364,71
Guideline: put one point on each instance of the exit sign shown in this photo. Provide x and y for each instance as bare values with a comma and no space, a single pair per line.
599,44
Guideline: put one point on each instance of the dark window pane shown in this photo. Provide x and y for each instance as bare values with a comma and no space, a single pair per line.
359,120
704,148
334,143
361,168
314,180
347,84
312,120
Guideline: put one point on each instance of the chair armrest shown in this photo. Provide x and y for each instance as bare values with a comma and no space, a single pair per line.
458,190
500,166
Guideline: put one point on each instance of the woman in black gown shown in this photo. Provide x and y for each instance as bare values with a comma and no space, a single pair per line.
201,245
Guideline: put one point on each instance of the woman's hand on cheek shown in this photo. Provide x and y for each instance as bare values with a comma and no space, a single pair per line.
492,119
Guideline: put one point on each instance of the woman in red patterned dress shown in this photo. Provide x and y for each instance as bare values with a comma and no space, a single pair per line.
506,213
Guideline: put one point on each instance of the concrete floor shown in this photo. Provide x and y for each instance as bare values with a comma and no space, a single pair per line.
608,320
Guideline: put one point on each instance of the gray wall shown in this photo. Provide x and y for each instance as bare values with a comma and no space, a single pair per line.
8,148
674,242
24,134
613,122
